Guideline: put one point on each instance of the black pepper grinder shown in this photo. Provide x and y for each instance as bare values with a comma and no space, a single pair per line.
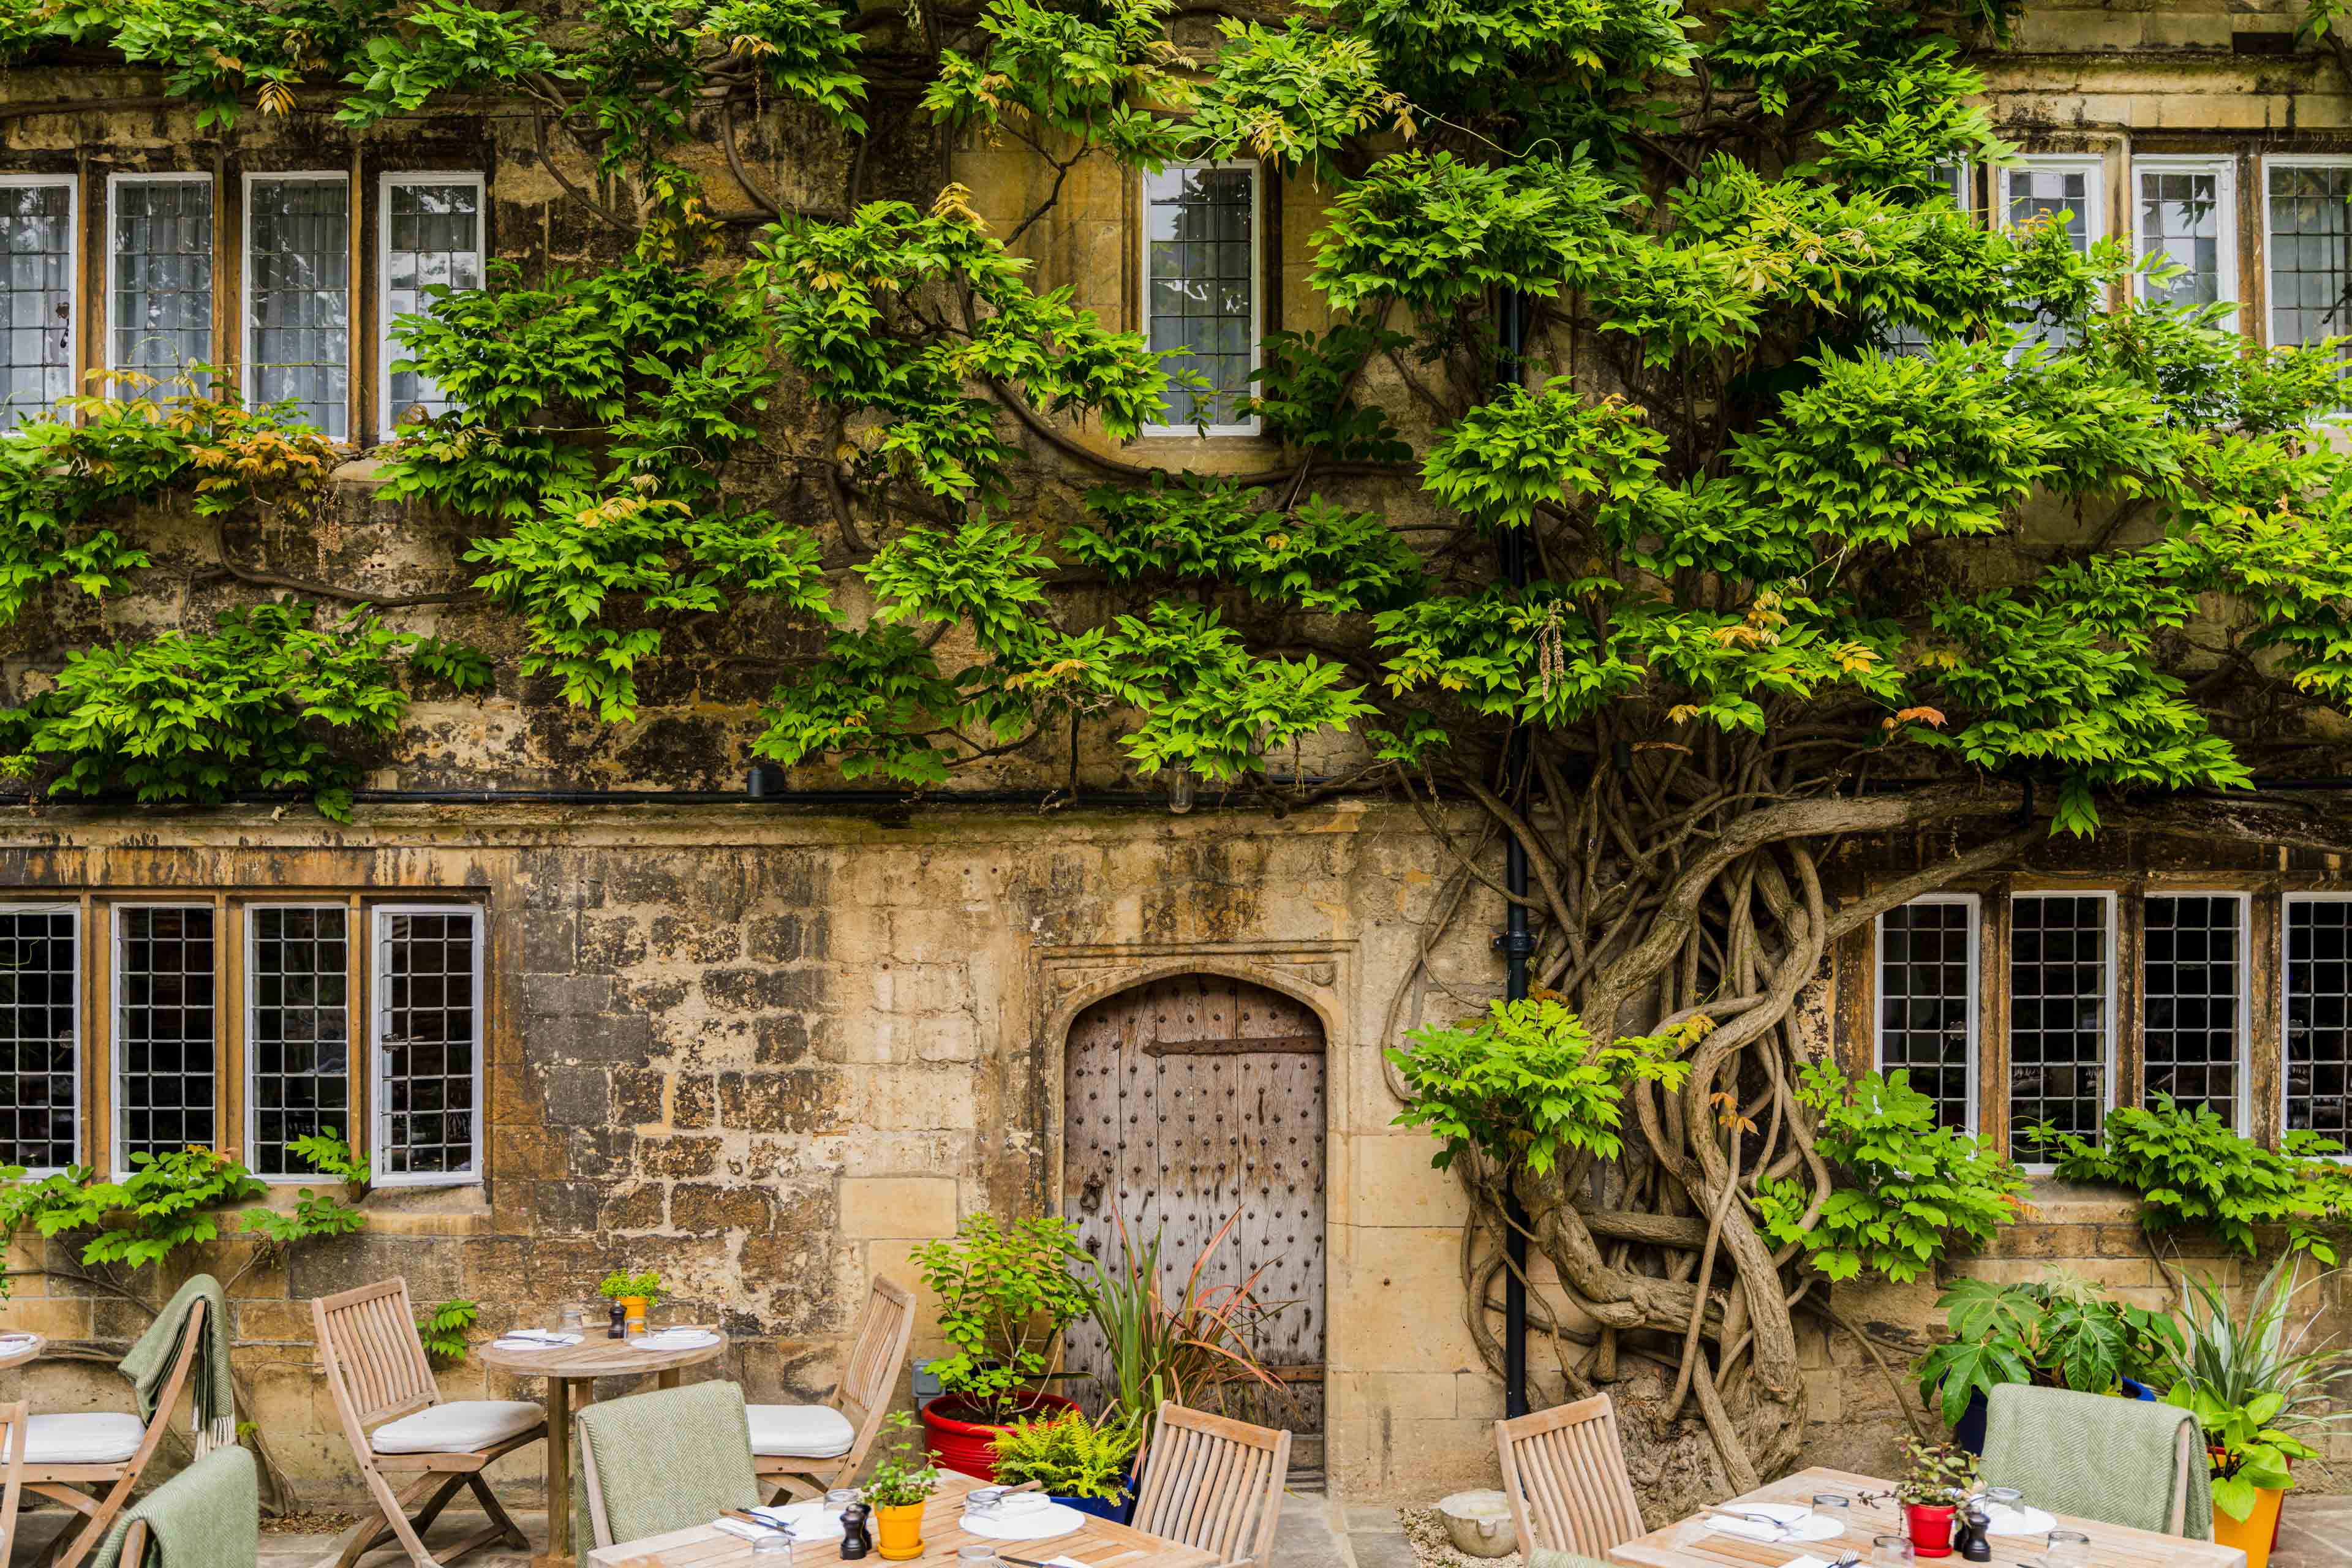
620,1320
1975,1538
854,1541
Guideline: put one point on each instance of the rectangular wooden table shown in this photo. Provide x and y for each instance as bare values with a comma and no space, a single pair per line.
1099,1544
1690,1544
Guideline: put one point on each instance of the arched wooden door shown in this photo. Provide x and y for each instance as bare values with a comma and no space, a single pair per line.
1186,1101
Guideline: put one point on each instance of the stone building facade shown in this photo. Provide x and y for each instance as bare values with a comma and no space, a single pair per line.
769,1047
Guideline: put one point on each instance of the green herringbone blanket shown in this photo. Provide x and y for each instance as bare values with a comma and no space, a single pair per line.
665,1461
148,1364
207,1516
2118,1460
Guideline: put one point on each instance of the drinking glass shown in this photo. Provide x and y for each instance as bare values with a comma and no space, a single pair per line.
839,1497
1836,1504
774,1548
1891,1551
976,1557
571,1320
2068,1549
2009,1497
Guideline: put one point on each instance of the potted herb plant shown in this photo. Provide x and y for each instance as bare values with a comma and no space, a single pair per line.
1086,1464
2060,1332
638,1294
1005,1295
1941,1477
901,1482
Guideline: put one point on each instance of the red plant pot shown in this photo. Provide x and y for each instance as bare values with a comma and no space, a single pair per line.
960,1443
1930,1527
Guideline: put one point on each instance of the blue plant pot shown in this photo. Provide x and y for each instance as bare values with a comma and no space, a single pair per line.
2138,1390
1102,1507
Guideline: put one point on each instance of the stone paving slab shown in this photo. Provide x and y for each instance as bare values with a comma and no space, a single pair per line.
1316,1534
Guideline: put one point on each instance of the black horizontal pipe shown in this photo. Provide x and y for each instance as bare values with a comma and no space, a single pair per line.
861,799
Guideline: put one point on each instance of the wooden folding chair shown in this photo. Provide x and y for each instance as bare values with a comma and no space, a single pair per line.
17,1420
377,1373
861,1399
1564,1471
99,1489
1213,1483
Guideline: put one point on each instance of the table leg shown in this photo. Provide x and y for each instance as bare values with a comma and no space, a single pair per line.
559,1552
667,1377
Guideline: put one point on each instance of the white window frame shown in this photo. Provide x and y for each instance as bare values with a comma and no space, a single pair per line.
2224,171
2287,161
1257,172
80,1038
2285,959
1963,172
2245,1026
1975,906
118,1065
74,303
386,350
2092,166
380,918
248,956
114,184
2107,1012
247,326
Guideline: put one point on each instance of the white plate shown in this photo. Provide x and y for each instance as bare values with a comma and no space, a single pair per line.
678,1339
1032,1524
811,1522
2020,1521
1806,1526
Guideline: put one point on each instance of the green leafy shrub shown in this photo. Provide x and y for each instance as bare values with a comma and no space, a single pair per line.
2264,1347
1909,1191
2060,1332
2194,1173
621,1284
443,1330
1529,1085
1069,1455
1005,1295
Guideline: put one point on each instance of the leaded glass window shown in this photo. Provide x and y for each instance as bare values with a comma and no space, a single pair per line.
2059,1025
2308,251
297,1032
2319,1017
428,1022
297,272
2193,977
1927,1001
433,240
164,1029
2184,214
36,238
40,1036
1200,287
2062,192
160,277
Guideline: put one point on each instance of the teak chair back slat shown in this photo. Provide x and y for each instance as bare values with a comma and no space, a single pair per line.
377,1372
65,1483
1564,1473
1215,1483
868,1378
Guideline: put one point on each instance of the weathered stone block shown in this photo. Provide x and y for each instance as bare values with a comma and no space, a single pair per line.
778,939
757,990
701,1208
611,941
690,938
798,1101
677,1156
884,1207
567,995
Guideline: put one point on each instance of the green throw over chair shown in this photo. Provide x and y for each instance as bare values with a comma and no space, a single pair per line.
207,1516
2122,1461
656,1462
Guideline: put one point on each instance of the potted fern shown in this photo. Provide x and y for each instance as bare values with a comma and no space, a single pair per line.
1088,1464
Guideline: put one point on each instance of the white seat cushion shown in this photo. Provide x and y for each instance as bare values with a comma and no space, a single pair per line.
460,1426
800,1431
85,1437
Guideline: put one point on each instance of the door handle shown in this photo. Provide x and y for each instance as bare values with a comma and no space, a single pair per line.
1090,1195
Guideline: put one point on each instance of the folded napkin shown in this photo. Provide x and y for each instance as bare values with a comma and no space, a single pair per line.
536,1342
1748,1528
737,1527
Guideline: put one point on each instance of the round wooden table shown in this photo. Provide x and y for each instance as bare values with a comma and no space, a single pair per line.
570,1367
19,1355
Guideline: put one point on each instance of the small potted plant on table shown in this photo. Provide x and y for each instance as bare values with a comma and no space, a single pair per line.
638,1294
1005,1295
1941,1477
1087,1464
902,1482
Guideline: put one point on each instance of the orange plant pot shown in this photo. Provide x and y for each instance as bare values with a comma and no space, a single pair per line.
632,1314
900,1530
2254,1534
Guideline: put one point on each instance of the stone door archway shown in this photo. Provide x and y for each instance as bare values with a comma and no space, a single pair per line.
1188,1101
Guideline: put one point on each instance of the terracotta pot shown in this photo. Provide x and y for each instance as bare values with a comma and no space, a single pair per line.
899,1531
958,1442
2254,1534
1930,1528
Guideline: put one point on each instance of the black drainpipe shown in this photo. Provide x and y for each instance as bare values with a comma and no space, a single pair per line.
1516,943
